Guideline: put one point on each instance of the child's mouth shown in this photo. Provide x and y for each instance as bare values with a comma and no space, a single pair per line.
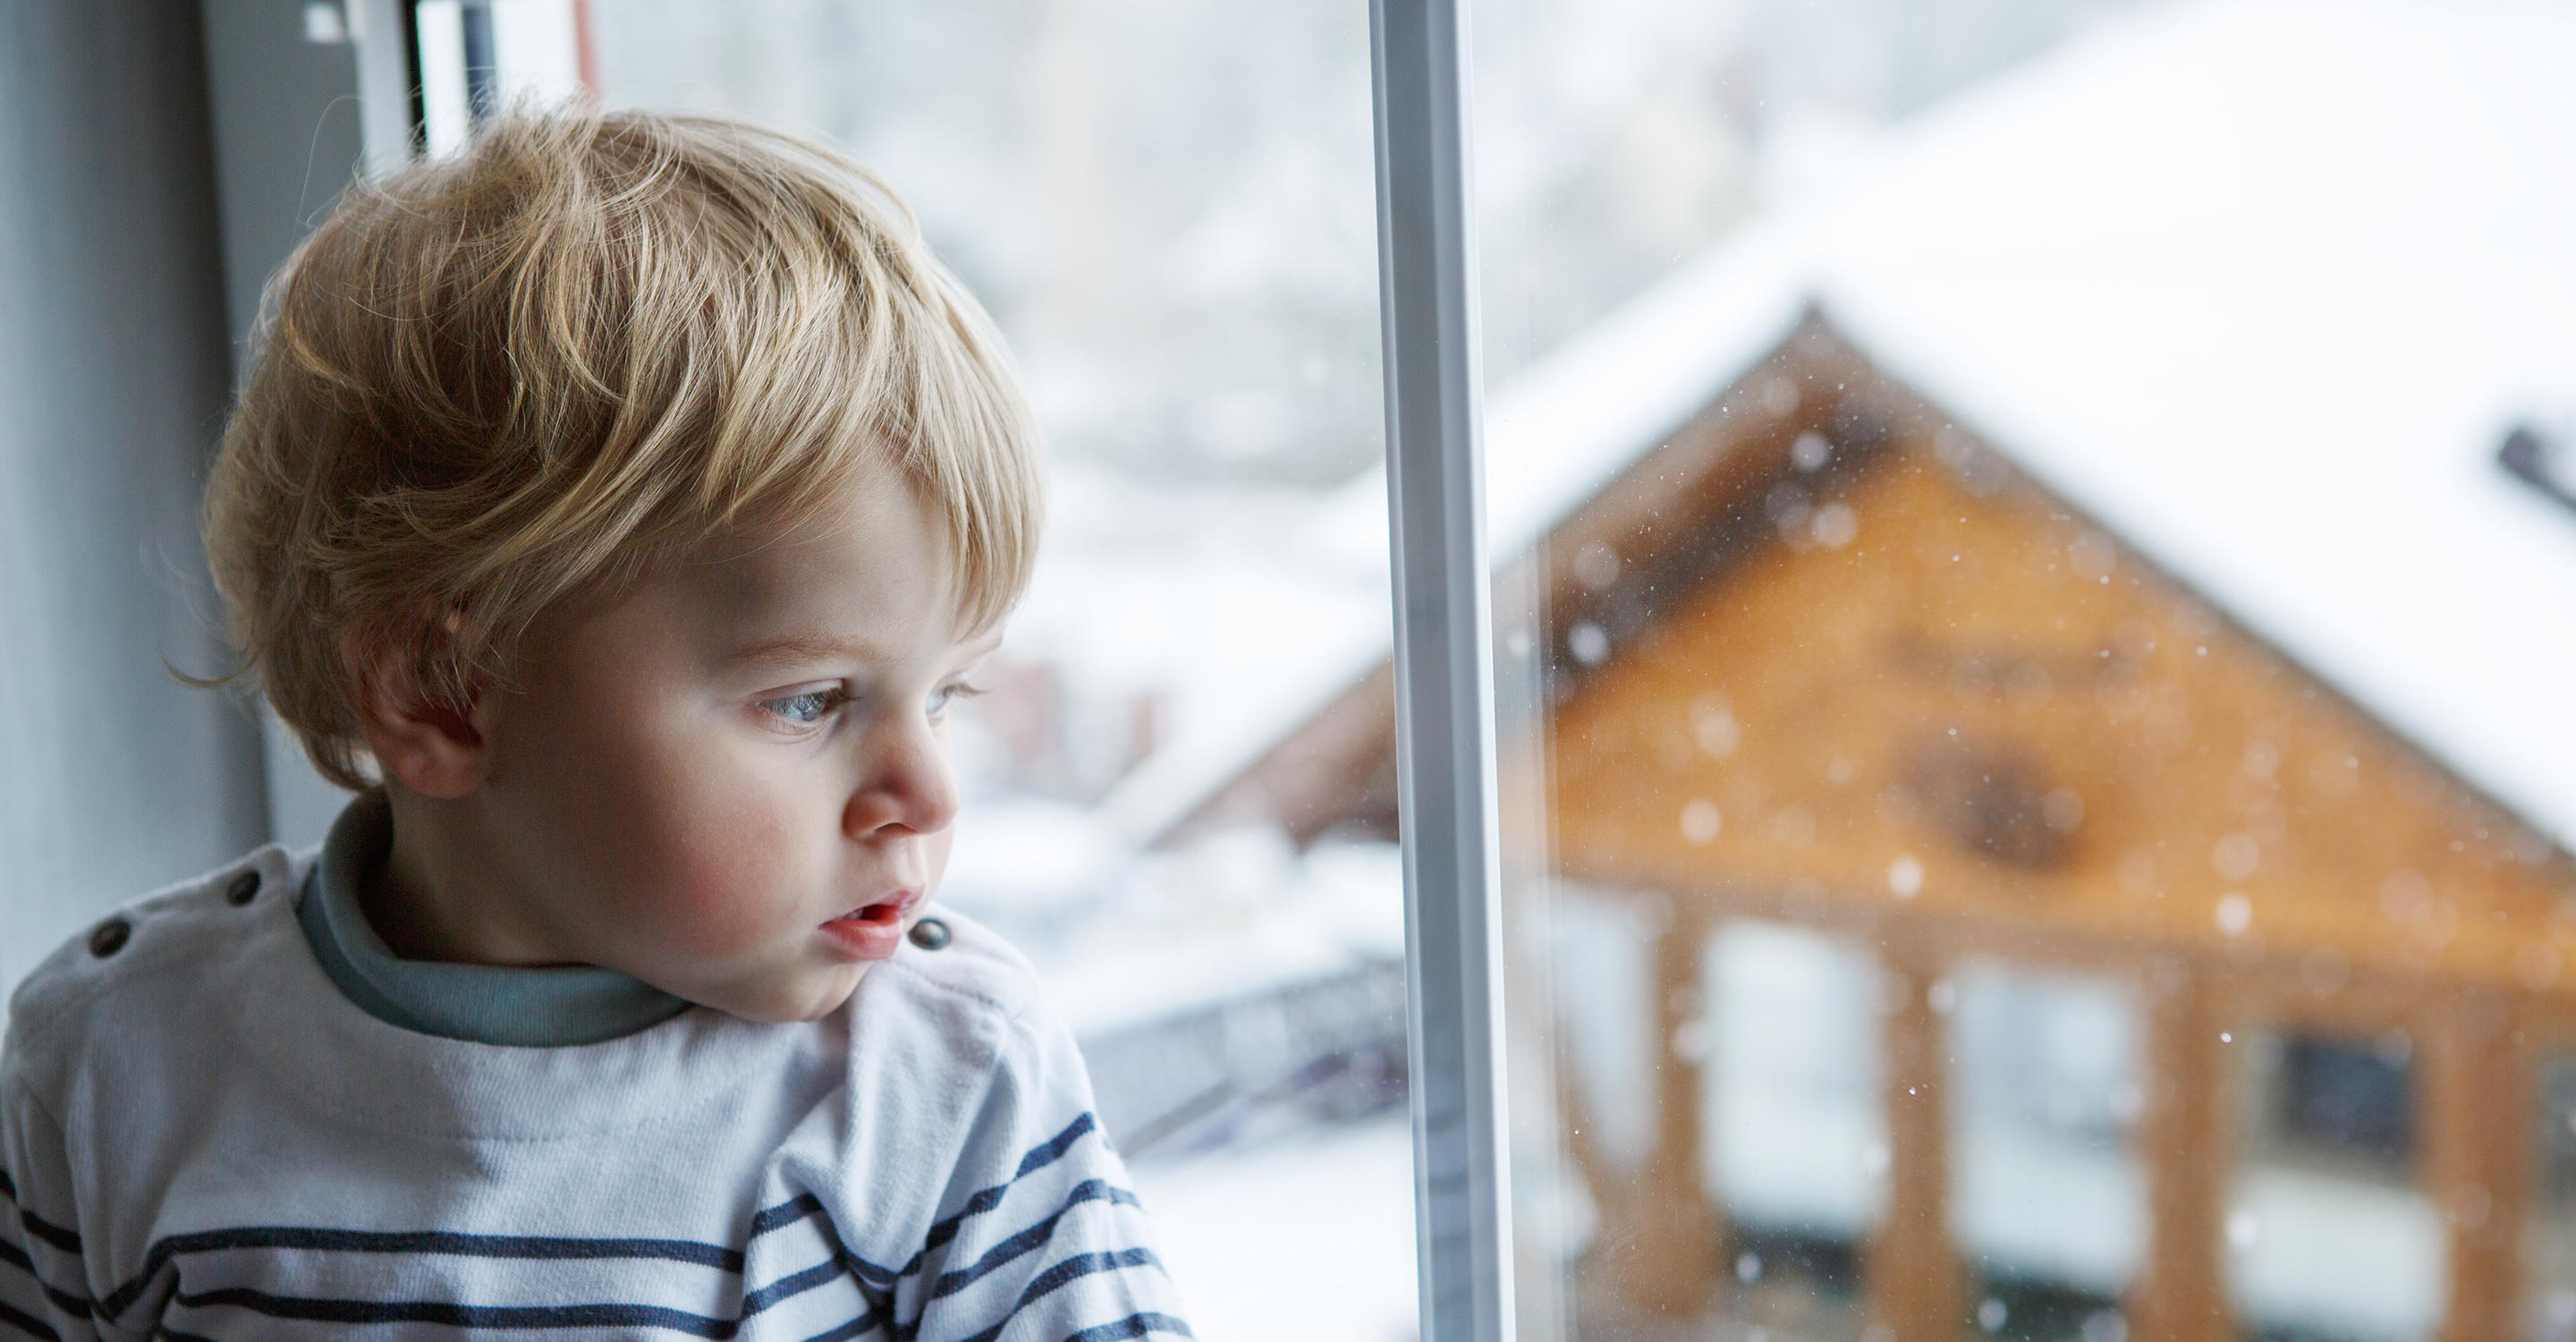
871,931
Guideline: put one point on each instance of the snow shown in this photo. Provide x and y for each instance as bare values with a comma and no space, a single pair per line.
2259,284
1570,423
1241,640
1304,1239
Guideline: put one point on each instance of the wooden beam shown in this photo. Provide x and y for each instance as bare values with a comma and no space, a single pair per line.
2476,1102
1913,1269
1679,1239
2180,1294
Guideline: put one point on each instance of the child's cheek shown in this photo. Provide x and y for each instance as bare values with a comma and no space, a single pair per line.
729,884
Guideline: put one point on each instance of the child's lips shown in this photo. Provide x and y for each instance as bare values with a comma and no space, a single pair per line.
872,931
886,911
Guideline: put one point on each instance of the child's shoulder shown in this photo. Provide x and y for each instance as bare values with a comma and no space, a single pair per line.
961,986
954,959
126,964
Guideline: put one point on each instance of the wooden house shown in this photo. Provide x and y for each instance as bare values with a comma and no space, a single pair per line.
1824,658
2113,570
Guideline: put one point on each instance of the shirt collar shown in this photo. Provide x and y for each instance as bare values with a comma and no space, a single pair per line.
548,1007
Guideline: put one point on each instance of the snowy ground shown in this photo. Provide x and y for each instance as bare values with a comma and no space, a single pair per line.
1297,1240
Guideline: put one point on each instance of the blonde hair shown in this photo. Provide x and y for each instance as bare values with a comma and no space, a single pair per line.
531,374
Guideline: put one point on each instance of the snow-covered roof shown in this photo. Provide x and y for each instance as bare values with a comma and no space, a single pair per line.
2260,284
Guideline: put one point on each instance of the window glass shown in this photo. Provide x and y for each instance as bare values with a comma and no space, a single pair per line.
2031,807
1169,209
2327,1219
2048,1197
2552,1228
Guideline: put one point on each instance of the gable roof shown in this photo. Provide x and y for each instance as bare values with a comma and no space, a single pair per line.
2261,286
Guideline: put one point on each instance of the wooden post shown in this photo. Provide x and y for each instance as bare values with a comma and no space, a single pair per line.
2475,1104
1913,1269
2181,1293
1680,1242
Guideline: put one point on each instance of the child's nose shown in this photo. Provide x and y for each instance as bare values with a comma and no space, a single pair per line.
911,787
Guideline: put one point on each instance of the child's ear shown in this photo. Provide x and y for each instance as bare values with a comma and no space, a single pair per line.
434,748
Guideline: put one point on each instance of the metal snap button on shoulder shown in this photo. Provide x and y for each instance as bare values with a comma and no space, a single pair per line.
930,934
109,937
244,889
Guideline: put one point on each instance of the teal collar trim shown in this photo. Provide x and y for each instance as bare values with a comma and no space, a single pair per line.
549,1007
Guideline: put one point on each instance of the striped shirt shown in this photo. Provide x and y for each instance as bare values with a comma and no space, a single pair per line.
201,1138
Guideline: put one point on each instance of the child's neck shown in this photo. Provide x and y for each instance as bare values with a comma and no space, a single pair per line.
429,901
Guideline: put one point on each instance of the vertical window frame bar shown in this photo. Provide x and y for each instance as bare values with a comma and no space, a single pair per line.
1444,684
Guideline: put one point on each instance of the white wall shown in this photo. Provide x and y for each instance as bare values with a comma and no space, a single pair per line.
113,372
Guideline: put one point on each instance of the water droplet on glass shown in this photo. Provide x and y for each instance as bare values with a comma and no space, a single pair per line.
2235,913
1700,820
1777,395
1786,505
1588,642
1834,525
1811,451
1991,1314
1748,1266
1715,727
1596,566
1905,877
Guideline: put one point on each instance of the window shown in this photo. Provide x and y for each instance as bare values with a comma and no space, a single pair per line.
1976,690
2023,808
1167,209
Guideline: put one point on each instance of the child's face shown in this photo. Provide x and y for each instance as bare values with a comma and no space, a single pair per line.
702,785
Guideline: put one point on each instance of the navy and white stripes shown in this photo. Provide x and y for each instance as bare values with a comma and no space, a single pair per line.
254,1247
260,1159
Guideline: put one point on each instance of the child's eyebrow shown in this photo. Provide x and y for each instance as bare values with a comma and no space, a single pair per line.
805,648
808,647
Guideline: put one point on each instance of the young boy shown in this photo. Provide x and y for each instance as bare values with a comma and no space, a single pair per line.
617,509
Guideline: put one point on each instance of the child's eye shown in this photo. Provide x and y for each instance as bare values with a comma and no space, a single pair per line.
945,695
808,708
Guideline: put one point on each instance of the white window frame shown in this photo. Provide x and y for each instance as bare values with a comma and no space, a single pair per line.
1444,681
